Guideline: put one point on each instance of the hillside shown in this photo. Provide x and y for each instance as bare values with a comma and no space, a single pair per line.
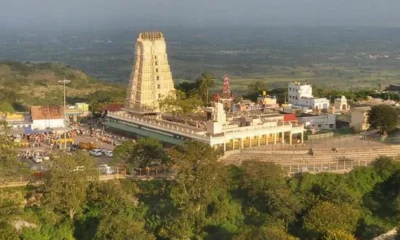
25,84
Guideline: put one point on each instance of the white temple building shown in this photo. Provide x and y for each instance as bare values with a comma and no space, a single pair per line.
300,95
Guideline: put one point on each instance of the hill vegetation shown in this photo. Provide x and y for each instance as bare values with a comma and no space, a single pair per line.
25,84
206,200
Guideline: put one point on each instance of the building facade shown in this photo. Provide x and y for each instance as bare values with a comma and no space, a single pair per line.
47,117
318,121
151,78
300,95
341,104
359,119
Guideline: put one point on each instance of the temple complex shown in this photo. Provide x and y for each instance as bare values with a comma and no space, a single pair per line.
151,78
217,125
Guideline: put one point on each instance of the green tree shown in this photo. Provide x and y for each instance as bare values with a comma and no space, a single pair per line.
267,194
257,87
383,117
148,152
65,183
204,83
179,104
121,227
265,233
189,88
123,152
6,108
327,216
337,234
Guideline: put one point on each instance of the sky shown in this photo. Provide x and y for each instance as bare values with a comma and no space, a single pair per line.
89,14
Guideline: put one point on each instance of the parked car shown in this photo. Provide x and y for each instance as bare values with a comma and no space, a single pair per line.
108,153
37,159
105,169
96,152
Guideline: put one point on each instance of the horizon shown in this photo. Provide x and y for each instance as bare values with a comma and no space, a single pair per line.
122,14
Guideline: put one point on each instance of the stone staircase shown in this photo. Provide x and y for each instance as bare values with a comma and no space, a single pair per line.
289,157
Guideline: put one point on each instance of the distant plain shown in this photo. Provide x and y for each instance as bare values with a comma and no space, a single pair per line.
343,58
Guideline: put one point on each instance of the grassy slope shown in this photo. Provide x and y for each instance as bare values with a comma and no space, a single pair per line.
37,84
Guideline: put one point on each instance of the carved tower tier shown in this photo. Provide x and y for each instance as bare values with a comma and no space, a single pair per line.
151,78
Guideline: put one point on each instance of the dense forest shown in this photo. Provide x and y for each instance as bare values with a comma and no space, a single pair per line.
206,200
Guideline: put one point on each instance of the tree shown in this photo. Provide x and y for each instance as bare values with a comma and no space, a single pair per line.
148,152
180,104
189,88
10,165
204,83
121,227
265,233
337,234
326,216
65,183
257,87
118,213
123,152
198,172
199,175
383,117
267,194
6,108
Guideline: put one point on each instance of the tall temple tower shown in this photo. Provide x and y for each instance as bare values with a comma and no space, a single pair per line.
151,78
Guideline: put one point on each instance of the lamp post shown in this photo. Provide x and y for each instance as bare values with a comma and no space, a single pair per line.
64,81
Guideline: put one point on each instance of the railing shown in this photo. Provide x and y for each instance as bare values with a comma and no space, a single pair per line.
334,167
159,125
105,174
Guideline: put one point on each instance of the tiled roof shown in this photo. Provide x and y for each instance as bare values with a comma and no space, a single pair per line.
113,107
47,112
289,117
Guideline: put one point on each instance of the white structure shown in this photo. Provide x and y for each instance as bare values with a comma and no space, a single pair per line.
359,118
300,95
151,78
321,121
47,117
341,104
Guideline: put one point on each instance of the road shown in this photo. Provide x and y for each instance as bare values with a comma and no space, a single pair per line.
47,149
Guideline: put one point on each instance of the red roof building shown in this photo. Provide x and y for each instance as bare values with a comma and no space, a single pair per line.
113,107
291,117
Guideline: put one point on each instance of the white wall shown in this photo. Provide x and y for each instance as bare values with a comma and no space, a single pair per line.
297,91
47,123
326,121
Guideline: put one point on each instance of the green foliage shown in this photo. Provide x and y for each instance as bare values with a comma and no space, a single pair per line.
327,216
64,185
146,152
257,87
180,104
265,233
337,234
123,152
204,83
383,117
6,108
205,200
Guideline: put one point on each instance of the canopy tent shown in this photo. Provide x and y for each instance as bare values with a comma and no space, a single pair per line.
29,130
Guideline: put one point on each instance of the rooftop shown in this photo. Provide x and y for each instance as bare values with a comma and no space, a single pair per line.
47,112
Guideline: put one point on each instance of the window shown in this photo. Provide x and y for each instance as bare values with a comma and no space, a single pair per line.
158,77
158,86
155,57
156,63
331,125
156,69
319,125
159,95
